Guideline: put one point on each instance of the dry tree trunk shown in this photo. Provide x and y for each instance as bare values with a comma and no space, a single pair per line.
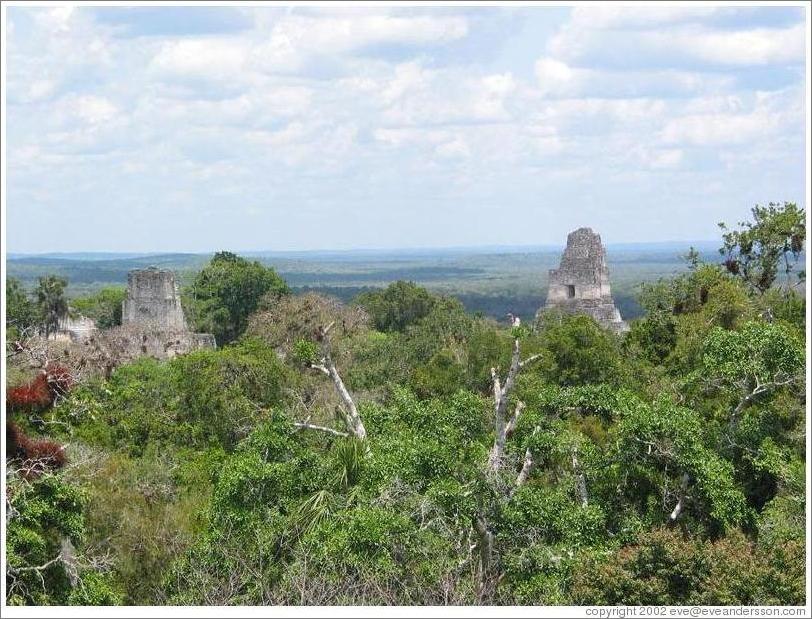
352,418
527,465
681,500
501,396
503,427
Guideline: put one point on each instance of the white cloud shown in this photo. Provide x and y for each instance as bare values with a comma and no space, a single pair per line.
361,110
415,95
716,129
213,58
55,20
759,46
607,16
294,40
767,115
556,76
666,159
338,35
92,109
557,79
457,148
670,37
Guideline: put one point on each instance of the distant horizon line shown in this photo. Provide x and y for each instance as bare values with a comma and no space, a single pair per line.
378,250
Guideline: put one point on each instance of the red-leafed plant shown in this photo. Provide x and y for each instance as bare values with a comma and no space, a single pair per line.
42,391
35,455
34,395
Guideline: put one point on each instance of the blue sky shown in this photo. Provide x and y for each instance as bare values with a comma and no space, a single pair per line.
274,128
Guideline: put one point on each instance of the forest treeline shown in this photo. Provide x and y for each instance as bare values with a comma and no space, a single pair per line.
396,449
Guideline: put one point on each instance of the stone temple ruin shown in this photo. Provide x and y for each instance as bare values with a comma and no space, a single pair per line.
153,325
153,299
580,284
153,309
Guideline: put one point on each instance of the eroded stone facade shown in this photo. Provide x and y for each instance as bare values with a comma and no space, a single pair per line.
152,319
74,329
581,282
153,299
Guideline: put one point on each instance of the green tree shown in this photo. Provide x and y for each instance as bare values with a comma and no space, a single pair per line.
51,301
103,307
773,240
397,306
21,312
205,398
227,291
752,364
579,351
666,567
45,521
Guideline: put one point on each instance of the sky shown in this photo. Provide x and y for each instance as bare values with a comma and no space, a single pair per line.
158,129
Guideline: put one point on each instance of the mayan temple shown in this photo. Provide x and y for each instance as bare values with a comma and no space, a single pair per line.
153,299
153,310
581,282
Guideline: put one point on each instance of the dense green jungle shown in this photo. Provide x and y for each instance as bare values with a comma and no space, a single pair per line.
370,429
491,281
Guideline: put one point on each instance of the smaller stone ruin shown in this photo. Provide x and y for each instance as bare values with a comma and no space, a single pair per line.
580,285
153,316
153,325
76,328
153,299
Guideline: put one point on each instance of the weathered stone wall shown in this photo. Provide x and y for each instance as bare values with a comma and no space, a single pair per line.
130,342
581,282
106,349
153,299
74,329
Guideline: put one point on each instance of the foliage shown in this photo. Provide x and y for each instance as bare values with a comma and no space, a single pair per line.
774,239
663,466
143,512
51,302
104,307
21,312
41,391
667,568
226,292
95,589
206,398
33,395
758,353
659,443
579,351
293,319
42,512
397,306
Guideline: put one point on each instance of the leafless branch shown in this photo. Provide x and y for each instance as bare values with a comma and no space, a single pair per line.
681,500
305,425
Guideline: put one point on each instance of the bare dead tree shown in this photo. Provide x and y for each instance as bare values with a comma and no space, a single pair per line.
326,365
527,465
306,425
504,427
501,395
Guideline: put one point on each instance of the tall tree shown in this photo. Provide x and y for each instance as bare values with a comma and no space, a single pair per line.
227,291
21,312
773,240
51,301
